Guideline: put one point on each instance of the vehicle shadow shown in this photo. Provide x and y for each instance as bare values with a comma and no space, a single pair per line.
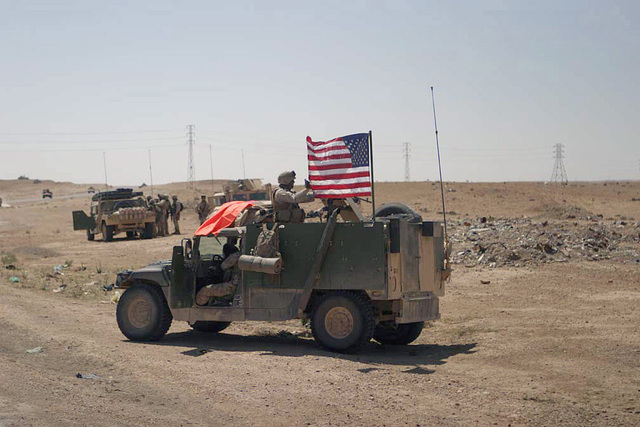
285,344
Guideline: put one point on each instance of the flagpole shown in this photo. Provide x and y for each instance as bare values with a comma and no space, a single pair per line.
373,194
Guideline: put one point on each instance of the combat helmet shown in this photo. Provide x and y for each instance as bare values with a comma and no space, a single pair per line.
286,178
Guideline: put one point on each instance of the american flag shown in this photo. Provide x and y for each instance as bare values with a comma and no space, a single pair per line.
340,168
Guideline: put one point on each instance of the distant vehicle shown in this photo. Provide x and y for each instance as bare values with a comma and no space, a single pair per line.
113,212
241,190
353,280
47,193
91,190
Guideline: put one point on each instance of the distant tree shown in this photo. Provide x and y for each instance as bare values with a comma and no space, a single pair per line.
23,177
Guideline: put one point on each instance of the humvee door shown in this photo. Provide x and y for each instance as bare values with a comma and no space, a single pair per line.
83,222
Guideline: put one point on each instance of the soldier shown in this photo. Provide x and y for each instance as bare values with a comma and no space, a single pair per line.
226,289
164,205
285,200
176,208
158,213
203,209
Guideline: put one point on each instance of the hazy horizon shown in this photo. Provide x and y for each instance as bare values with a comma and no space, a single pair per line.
117,83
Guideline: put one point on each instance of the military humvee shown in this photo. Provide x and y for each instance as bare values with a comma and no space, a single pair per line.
241,190
113,212
353,280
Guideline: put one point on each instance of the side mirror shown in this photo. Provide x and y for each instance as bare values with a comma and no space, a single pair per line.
187,246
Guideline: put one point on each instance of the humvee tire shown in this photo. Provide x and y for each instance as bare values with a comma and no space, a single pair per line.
107,232
149,229
143,313
90,236
206,326
343,321
392,333
398,209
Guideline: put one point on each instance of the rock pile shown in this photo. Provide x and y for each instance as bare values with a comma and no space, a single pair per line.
526,242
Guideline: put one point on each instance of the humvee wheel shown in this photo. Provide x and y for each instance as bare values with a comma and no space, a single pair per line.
107,232
204,326
343,321
143,313
397,334
90,235
130,234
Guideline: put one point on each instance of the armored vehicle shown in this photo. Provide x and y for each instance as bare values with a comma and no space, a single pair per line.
46,193
113,212
353,281
241,190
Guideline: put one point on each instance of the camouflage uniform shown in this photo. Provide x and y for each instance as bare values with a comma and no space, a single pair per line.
285,200
157,210
164,214
175,209
226,288
203,209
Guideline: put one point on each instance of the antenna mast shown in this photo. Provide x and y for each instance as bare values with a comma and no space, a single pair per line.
435,124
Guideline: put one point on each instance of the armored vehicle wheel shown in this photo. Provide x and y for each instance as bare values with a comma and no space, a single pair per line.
149,229
90,236
107,232
398,334
130,234
203,326
343,321
398,209
143,313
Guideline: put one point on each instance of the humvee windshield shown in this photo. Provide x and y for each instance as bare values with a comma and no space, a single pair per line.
210,246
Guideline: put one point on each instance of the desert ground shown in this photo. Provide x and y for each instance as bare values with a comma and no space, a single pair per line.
539,325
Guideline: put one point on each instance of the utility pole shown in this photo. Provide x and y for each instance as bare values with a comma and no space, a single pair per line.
244,174
104,159
191,172
559,174
407,156
211,162
150,173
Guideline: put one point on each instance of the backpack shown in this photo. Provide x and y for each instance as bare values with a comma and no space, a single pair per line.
268,243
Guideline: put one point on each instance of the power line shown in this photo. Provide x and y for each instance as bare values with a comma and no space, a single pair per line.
559,174
407,156
191,172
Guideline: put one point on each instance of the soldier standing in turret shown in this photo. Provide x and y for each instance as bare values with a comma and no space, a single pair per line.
285,200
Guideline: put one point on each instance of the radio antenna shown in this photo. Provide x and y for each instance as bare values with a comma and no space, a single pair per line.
435,123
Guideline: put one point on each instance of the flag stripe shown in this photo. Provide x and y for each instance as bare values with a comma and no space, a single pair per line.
331,156
352,186
338,148
326,176
332,194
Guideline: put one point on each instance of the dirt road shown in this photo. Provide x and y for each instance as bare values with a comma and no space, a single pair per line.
552,344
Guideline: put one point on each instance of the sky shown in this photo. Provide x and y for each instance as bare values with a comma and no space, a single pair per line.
105,90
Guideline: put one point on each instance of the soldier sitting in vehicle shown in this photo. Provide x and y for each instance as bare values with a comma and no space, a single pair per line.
224,291
285,200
